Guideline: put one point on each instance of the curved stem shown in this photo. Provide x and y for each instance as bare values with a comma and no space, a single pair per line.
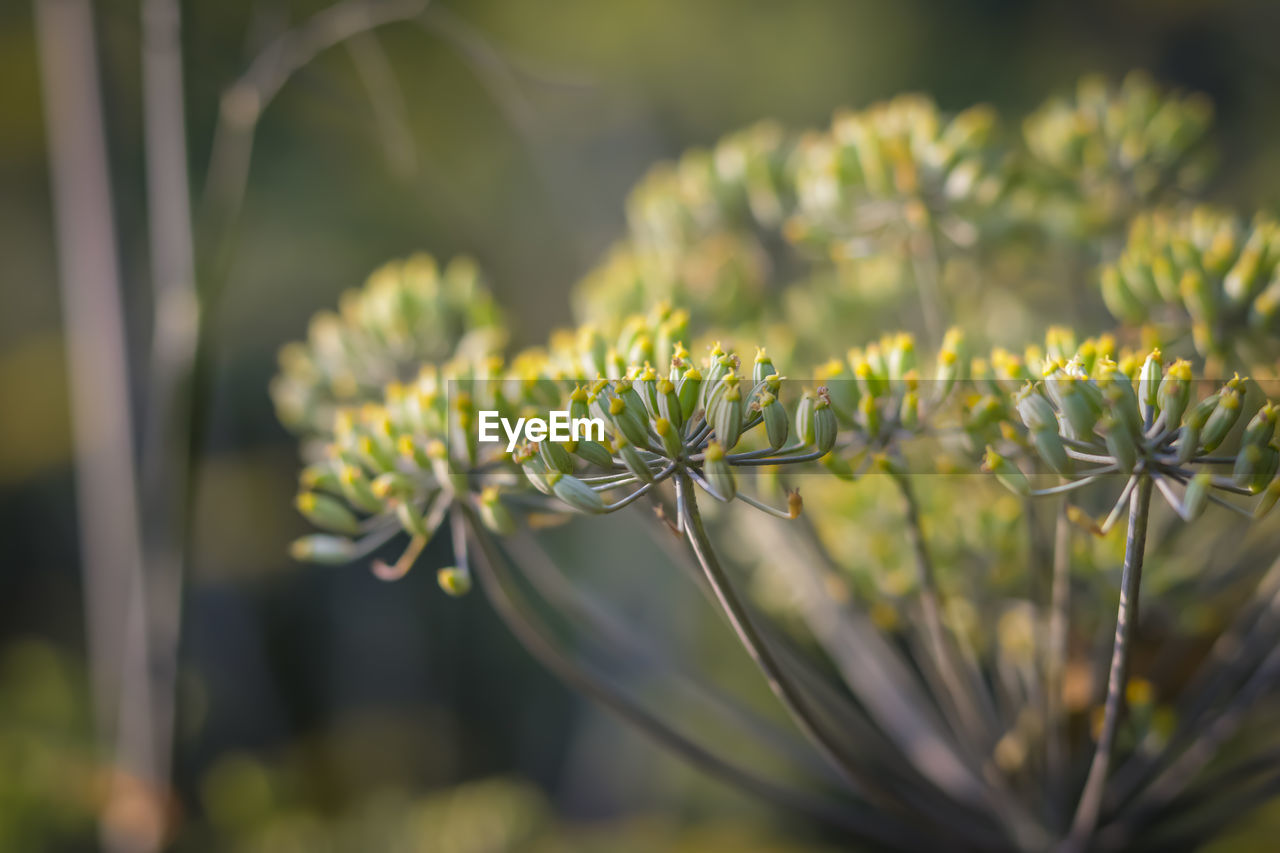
740,620
1090,804
493,581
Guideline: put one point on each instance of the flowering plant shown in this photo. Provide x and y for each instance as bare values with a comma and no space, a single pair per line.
935,639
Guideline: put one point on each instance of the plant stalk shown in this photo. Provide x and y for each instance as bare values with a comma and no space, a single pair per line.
1090,804
494,582
740,620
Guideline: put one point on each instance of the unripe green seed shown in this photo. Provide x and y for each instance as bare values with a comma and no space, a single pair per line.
323,549
635,462
1007,473
670,438
825,428
454,581
1120,444
775,419
719,473
494,514
595,453
555,457
575,493
1223,418
1197,496
327,513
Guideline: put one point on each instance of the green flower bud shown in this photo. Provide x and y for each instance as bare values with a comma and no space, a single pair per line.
323,549
825,427
1244,279
494,514
1053,451
1036,412
719,473
454,581
869,415
634,461
902,356
1120,444
575,493
629,421
804,418
763,367
1080,412
909,413
688,392
775,419
724,411
391,486
357,490
1262,469
555,457
327,513
1197,496
595,453
320,477
1175,392
670,438
1122,404
950,356
1269,499
1223,418
1198,297
1149,382
669,403
1262,428
1007,473
578,407
1119,299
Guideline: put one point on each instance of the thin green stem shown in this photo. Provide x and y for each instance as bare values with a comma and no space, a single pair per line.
1087,811
495,583
740,620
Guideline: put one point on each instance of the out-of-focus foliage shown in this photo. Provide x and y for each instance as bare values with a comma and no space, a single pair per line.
52,784
1111,150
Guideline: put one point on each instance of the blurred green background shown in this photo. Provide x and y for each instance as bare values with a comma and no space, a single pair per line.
316,703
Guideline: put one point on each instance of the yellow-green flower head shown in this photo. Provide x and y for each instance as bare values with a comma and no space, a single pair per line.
1205,271
403,464
921,165
407,313
1115,148
1141,423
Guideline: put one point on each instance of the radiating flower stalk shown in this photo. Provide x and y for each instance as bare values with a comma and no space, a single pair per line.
964,738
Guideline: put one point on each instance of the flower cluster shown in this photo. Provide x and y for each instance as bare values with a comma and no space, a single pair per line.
1116,148
880,394
690,418
408,313
693,231
1089,417
1205,271
893,169
402,464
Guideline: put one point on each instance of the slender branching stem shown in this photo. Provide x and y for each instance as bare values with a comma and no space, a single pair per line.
735,610
488,564
1087,811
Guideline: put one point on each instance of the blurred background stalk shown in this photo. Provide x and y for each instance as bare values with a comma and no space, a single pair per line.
102,428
